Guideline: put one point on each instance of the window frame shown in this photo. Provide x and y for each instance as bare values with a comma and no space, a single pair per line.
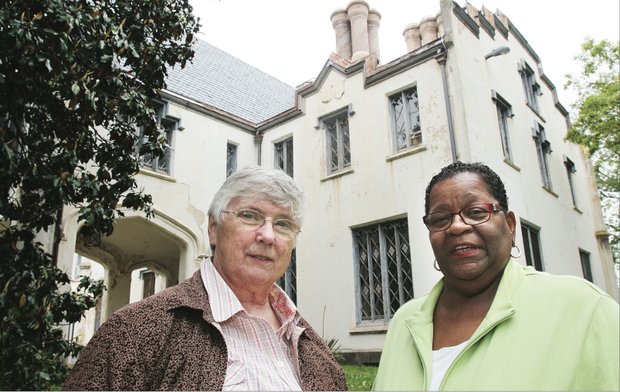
148,278
366,308
284,160
288,281
504,113
543,148
412,127
530,86
169,124
342,143
532,246
232,150
570,171
586,265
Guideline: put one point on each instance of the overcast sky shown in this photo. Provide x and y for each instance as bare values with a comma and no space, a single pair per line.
292,39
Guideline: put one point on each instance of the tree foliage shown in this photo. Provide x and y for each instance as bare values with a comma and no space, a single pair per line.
597,125
76,78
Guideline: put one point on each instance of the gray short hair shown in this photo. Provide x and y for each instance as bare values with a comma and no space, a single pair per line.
259,183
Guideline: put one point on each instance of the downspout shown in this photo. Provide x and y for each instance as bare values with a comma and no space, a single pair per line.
441,59
258,139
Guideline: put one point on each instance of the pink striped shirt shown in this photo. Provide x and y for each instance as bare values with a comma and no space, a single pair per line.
259,358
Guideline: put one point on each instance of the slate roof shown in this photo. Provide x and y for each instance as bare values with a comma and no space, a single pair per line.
221,80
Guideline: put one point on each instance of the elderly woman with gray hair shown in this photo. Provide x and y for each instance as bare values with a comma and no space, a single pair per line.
229,327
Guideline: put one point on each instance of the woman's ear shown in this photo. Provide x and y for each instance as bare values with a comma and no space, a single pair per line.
212,232
511,219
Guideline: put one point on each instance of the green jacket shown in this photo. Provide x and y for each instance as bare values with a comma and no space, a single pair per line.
542,332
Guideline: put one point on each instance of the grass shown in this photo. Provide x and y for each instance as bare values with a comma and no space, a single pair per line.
359,377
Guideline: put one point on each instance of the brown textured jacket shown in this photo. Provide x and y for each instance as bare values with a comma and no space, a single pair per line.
168,342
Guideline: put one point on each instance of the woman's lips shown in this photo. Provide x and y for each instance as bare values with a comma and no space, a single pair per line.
261,257
464,250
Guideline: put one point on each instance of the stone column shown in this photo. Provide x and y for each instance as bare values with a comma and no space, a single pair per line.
412,36
343,33
358,16
374,17
117,296
428,30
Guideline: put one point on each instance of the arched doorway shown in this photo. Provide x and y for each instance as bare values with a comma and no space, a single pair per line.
136,244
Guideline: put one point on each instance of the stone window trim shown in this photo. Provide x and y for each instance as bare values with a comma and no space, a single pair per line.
504,114
532,245
170,124
586,266
231,158
320,124
543,149
404,108
337,139
531,87
570,175
283,159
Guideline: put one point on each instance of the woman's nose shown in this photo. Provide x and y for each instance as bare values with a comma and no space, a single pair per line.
266,232
458,224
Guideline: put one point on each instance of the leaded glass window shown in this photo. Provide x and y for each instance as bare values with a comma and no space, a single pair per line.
405,112
338,142
530,87
231,159
504,114
383,269
168,124
543,148
284,156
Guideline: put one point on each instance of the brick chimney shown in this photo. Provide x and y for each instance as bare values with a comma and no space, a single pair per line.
374,17
429,29
412,36
340,22
357,31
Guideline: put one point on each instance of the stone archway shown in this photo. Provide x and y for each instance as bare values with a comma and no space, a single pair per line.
135,242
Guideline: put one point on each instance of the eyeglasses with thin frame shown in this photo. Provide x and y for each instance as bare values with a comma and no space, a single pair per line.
254,220
472,215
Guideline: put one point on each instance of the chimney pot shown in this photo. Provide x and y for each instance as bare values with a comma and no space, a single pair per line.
428,29
341,25
412,36
374,19
358,17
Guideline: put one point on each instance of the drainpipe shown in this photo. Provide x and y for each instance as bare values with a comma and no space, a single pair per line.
258,139
441,59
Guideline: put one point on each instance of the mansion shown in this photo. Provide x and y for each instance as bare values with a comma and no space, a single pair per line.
363,139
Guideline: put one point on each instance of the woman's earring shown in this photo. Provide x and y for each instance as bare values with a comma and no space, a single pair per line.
436,266
518,251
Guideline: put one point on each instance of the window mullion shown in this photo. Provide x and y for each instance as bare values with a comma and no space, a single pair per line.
385,289
340,140
399,268
371,280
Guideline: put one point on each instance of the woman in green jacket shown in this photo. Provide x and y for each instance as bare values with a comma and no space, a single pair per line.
490,323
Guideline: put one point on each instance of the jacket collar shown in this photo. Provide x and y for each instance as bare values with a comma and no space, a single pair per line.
420,323
191,294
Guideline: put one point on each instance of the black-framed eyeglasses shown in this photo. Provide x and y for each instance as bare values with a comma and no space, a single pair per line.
472,215
254,220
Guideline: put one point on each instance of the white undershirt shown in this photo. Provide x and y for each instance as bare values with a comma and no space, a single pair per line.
442,359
